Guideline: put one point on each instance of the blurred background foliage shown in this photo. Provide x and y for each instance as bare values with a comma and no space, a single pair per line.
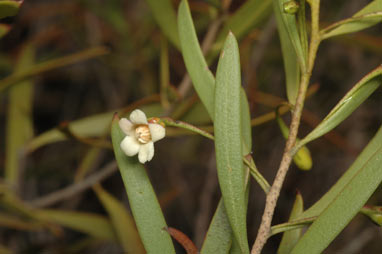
66,66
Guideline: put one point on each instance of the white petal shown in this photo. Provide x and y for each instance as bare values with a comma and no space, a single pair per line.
130,146
138,117
146,152
157,131
126,126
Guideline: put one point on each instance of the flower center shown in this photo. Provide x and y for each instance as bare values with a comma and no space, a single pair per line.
142,133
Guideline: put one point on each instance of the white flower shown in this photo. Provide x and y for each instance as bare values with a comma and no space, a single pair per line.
140,135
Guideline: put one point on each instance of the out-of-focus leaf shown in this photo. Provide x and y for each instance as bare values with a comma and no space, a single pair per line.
19,118
92,126
86,163
291,66
358,94
88,223
290,26
13,222
370,15
4,29
5,250
330,196
219,234
9,8
147,213
122,222
165,16
228,137
248,16
291,237
344,207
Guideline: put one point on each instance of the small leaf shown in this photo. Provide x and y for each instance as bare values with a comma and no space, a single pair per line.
343,208
144,205
183,240
370,15
122,222
9,8
355,97
374,213
165,16
88,223
228,136
291,237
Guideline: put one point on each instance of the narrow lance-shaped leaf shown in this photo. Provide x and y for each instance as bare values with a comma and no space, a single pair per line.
165,16
196,65
19,118
228,136
122,221
332,194
343,208
291,28
370,15
291,237
147,213
358,94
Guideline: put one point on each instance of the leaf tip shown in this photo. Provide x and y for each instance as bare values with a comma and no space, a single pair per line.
115,117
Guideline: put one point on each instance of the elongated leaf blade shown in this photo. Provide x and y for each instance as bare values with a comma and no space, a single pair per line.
9,8
291,237
228,136
321,205
92,224
122,222
19,118
165,16
196,65
291,67
290,26
355,97
147,213
370,15
343,208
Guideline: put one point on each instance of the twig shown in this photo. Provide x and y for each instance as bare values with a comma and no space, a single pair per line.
272,197
76,188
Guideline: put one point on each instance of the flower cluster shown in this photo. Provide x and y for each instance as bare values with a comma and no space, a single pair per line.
140,135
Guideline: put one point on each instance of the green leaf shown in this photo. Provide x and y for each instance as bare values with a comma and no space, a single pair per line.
88,223
370,15
358,94
4,29
91,126
332,194
201,76
9,8
291,237
147,213
165,16
291,29
219,234
228,137
291,67
344,207
122,222
19,118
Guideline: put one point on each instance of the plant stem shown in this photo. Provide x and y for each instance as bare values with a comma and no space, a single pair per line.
272,197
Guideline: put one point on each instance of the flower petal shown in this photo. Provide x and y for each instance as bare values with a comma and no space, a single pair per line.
157,131
130,146
146,152
138,117
126,126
